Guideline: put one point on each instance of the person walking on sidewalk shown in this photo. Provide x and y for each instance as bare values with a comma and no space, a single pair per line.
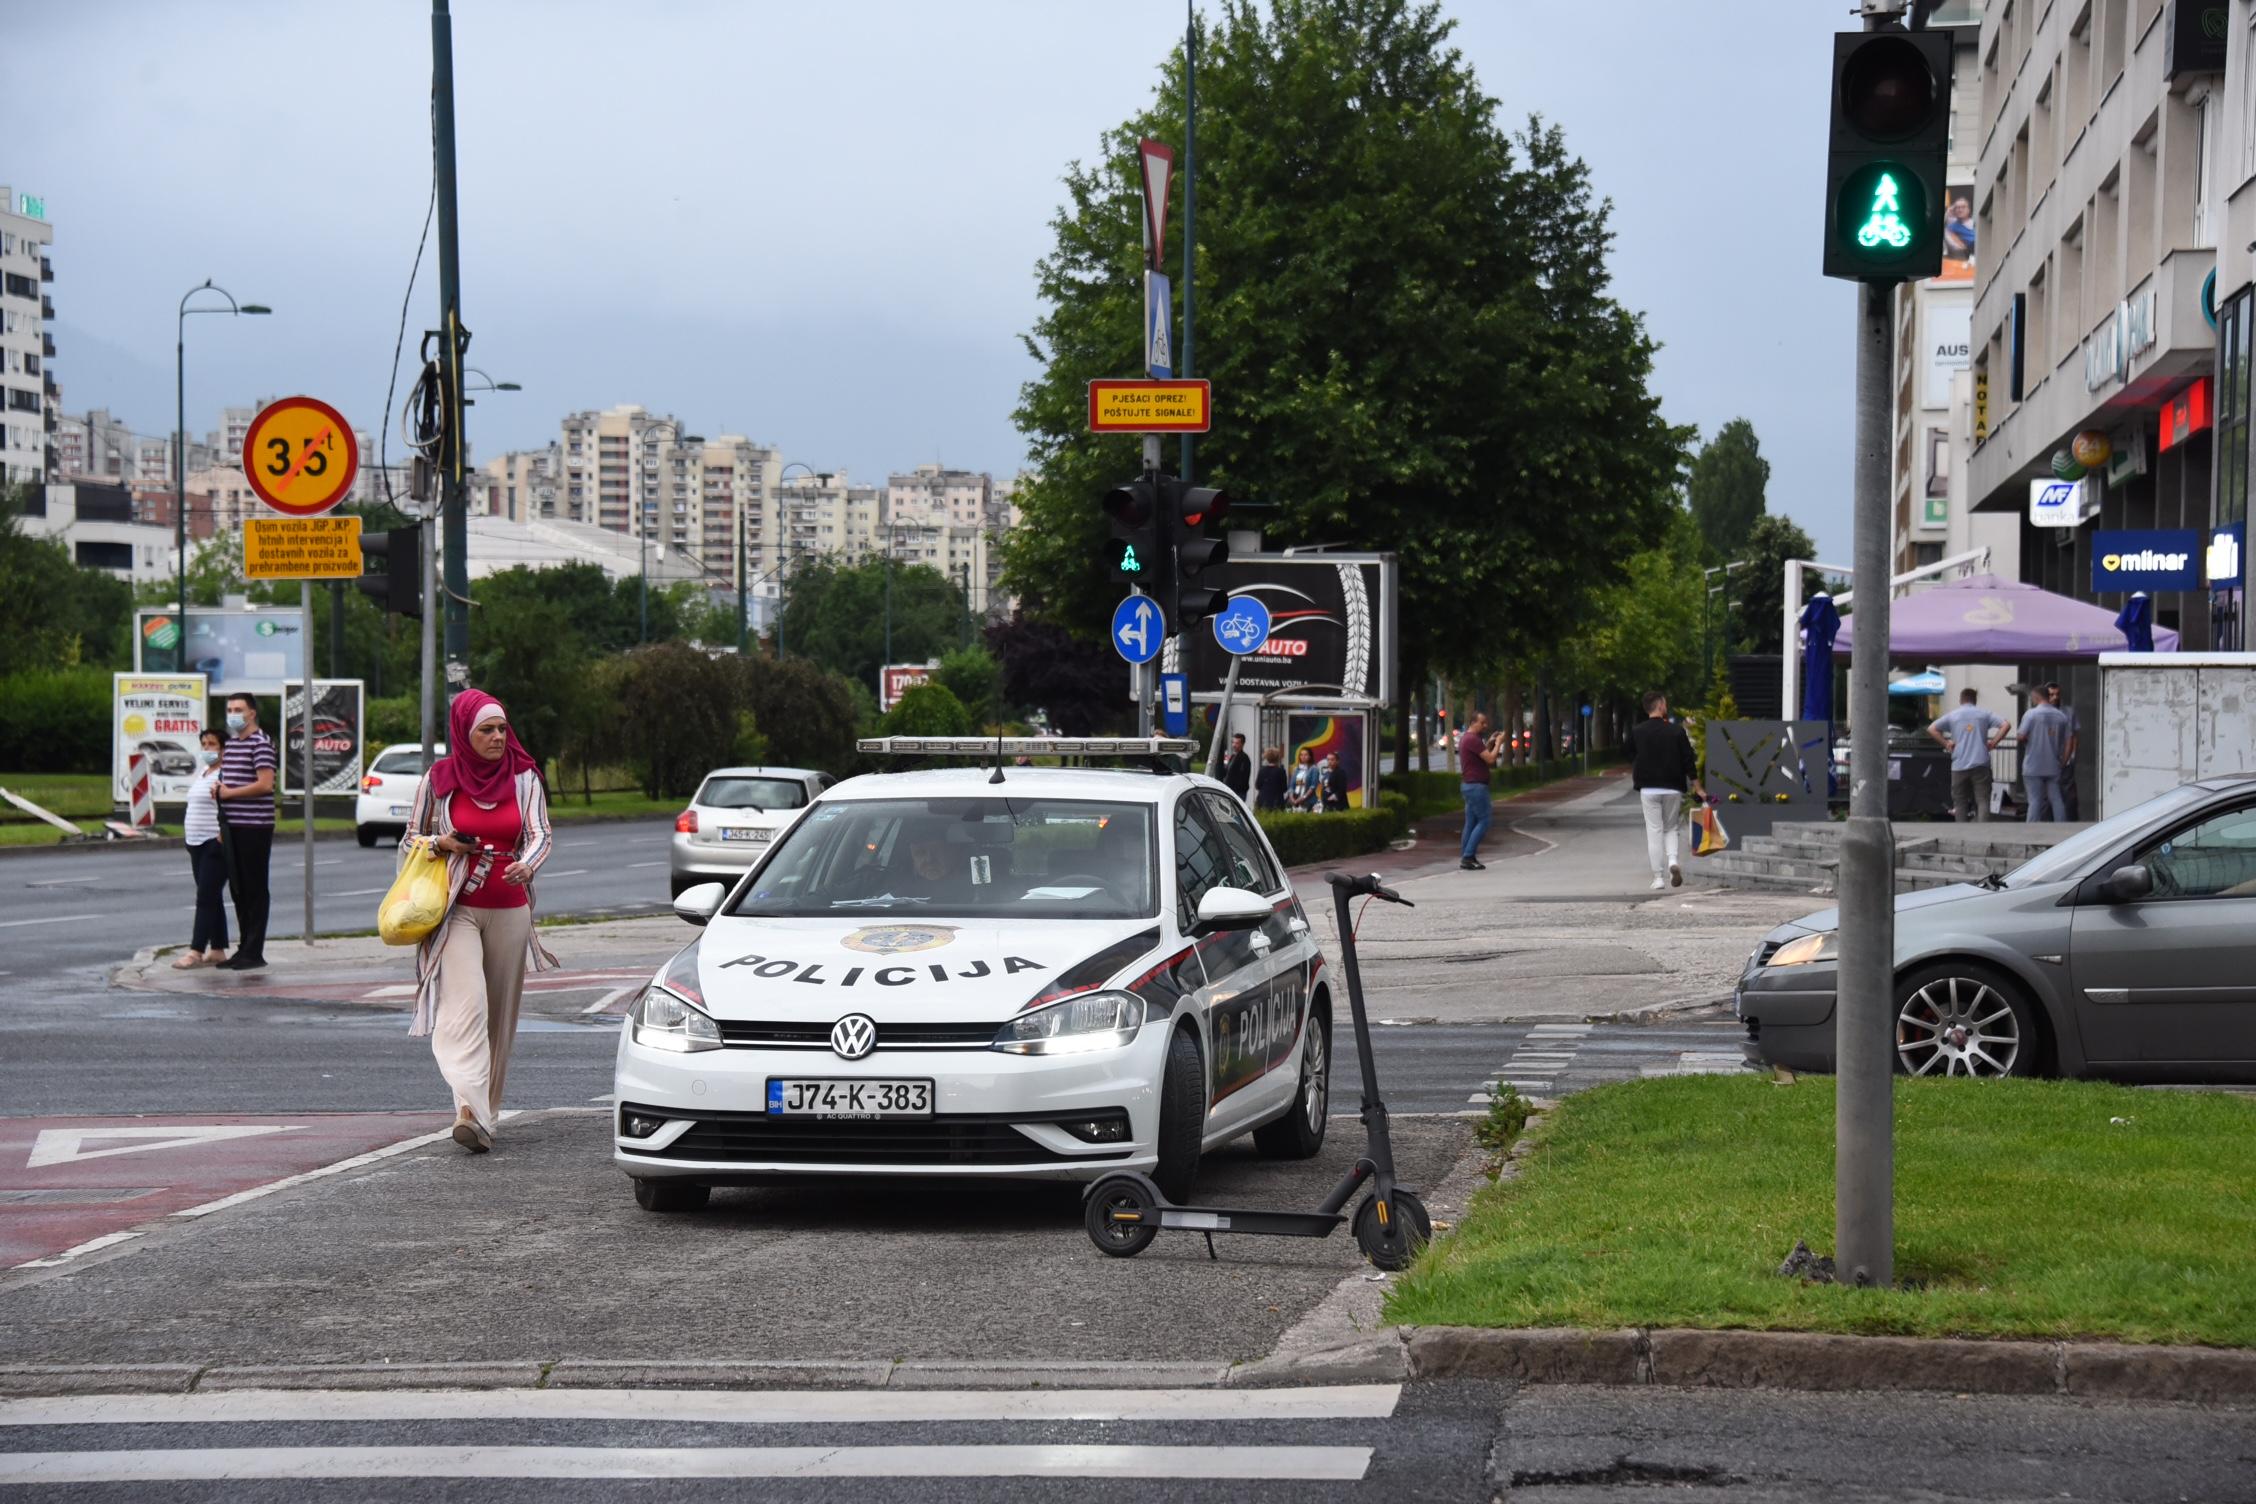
1269,783
1237,768
1662,767
247,769
1476,757
1972,734
485,809
2046,745
207,859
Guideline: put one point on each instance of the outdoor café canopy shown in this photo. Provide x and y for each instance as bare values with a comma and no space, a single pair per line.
1985,619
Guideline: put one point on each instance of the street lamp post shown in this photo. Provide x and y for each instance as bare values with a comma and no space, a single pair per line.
180,442
642,518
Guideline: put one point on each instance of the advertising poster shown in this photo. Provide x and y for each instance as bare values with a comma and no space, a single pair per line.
240,651
160,715
337,736
1323,735
897,679
1332,625
1958,238
1950,349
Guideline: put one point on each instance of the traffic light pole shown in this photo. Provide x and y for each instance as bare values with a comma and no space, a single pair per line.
453,450
1864,1148
1147,674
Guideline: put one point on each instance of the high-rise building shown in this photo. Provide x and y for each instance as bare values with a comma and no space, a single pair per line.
29,397
521,485
96,446
951,520
630,470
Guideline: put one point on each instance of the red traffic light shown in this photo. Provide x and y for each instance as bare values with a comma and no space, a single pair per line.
1888,90
1132,504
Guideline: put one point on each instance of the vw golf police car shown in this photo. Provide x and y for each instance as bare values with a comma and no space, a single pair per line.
984,970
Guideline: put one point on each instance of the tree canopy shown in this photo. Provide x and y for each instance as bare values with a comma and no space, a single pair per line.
1404,312
1727,484
1759,590
835,614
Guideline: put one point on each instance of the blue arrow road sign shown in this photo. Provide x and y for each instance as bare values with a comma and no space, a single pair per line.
1242,626
1136,632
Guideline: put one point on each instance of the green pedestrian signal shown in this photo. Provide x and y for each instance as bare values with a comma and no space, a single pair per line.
1129,563
1884,225
1888,153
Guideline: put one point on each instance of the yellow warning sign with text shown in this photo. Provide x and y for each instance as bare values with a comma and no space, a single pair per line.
1148,407
301,548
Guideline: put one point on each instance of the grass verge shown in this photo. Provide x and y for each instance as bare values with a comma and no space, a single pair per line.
2039,1209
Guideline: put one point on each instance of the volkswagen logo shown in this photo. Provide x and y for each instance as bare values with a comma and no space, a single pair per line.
853,1036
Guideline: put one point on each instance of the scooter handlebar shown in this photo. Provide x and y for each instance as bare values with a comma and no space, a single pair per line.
1352,884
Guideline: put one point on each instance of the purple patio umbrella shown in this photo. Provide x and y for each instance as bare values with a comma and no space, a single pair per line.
1986,619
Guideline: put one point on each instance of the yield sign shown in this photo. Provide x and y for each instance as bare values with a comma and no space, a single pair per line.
1158,164
57,1146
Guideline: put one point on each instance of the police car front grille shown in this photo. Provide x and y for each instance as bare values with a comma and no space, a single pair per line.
764,1035
960,1139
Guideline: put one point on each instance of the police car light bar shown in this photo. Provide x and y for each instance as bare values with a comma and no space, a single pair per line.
1028,746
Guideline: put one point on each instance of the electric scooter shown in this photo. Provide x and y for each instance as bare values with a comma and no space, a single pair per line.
1124,1212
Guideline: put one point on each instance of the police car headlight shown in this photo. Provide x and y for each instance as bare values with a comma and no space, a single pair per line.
663,1021
1093,1021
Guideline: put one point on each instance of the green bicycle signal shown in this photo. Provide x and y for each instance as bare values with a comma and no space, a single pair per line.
1882,216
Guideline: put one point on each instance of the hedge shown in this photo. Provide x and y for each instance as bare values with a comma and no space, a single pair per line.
55,721
1303,838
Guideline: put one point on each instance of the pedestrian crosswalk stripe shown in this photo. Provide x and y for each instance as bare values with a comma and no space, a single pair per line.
210,1464
699,1406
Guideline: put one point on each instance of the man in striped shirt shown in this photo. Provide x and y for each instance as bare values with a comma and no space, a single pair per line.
246,804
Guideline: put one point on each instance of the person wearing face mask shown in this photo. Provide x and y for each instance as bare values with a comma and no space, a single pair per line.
485,809
246,804
207,859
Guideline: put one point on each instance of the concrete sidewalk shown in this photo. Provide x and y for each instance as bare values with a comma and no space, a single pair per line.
1560,926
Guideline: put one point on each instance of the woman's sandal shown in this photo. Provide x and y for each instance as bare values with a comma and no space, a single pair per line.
470,1136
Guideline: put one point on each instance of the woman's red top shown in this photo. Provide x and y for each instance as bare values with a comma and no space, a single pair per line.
499,828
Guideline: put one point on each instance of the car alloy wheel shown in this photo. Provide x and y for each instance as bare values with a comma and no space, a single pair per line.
1316,1091
1958,1025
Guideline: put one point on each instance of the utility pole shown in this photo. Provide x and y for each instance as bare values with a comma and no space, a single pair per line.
454,343
1190,200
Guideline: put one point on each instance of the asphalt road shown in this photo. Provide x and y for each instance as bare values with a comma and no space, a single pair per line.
65,917
1473,1442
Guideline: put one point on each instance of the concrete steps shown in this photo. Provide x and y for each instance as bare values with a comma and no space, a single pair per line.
1804,856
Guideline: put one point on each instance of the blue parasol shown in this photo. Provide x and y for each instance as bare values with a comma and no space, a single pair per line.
2136,623
1821,623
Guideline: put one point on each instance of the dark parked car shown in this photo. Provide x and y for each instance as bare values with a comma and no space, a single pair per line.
2127,951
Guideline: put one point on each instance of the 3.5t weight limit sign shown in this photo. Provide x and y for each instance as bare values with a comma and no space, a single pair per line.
300,456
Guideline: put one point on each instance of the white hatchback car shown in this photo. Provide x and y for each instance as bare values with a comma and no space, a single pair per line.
1009,971
733,816
387,792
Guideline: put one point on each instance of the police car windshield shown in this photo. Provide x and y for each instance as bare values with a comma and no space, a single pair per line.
1027,857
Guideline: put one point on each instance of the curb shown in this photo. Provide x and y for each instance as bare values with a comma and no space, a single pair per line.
1646,1013
1828,1361
1635,1357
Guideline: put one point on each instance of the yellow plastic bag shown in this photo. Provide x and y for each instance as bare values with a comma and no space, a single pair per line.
417,900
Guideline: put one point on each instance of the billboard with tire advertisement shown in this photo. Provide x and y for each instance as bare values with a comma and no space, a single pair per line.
339,736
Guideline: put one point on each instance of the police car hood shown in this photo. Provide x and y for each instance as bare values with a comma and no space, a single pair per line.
960,970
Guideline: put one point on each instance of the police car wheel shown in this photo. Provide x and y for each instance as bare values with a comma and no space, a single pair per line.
1299,1134
1182,1118
671,1196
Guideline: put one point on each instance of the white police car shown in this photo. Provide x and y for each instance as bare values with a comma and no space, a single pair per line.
984,970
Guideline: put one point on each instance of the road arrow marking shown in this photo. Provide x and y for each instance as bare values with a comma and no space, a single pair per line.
59,1146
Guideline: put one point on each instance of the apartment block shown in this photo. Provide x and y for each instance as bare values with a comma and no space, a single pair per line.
29,397
634,471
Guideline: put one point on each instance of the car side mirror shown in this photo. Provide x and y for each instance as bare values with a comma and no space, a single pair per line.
1231,909
2125,884
699,903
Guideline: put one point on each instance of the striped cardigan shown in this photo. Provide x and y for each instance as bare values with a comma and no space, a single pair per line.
431,817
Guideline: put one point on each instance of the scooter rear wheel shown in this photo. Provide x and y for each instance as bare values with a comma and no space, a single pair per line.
1407,1229
1121,1240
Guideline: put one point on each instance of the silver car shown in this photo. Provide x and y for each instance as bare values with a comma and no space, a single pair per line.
2127,951
735,814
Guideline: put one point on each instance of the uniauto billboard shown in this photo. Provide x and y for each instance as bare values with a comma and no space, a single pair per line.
1332,628
337,736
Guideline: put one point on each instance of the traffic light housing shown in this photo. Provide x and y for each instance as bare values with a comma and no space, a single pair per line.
1887,155
1136,552
1196,584
398,585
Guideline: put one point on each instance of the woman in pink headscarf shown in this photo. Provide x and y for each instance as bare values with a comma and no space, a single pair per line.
484,808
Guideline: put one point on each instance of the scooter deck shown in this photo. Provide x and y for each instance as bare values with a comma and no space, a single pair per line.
1275,1224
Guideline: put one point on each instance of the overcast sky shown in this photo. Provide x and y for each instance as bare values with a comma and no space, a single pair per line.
816,225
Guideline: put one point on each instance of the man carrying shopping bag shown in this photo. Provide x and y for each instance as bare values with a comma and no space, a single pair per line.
1662,767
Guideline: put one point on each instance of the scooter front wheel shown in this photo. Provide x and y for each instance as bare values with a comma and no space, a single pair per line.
1121,1215
1392,1242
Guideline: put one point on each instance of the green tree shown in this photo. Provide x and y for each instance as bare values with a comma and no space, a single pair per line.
1726,486
928,710
835,614
1759,591
526,655
678,716
976,680
54,612
1405,314
606,613
807,714
1645,632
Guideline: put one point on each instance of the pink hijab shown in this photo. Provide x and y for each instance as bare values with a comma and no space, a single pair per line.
463,769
